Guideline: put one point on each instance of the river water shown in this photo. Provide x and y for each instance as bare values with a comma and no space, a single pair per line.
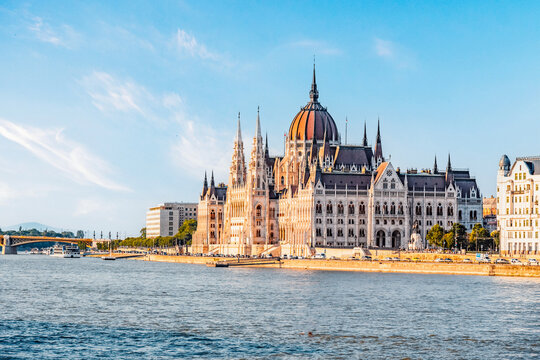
92,309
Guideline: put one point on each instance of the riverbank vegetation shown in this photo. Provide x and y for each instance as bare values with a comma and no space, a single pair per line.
456,237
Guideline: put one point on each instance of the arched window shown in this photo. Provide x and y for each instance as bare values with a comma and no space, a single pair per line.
393,209
459,215
381,238
329,232
351,208
439,210
340,208
418,209
318,232
377,209
329,209
429,210
385,184
362,208
258,211
318,208
212,215
258,233
450,210
396,239
340,232
400,209
385,209
282,180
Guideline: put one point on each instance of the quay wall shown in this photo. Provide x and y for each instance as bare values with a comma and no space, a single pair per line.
376,266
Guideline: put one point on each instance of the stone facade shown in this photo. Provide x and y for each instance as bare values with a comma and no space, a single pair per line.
322,193
517,205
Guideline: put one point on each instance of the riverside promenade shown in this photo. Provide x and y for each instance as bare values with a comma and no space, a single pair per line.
420,267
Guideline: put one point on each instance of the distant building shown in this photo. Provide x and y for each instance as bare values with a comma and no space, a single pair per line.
165,219
517,204
490,213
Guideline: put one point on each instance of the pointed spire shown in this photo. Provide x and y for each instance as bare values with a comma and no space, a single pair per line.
378,154
314,94
212,184
266,153
449,165
258,126
364,141
435,168
238,130
205,185
378,130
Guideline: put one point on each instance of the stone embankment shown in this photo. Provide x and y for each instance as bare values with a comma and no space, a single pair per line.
422,267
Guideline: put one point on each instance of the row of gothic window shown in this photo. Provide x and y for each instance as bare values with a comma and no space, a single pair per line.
340,208
330,233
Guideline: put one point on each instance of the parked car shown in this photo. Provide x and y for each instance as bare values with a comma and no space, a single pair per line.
320,256
443,260
285,257
502,261
366,258
416,259
485,260
467,260
515,262
396,259
387,258
533,262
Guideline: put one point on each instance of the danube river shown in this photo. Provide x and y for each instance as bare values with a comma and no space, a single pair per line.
92,309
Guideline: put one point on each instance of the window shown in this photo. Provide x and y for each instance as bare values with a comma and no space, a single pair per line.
362,208
418,209
351,209
400,209
377,209
439,210
318,232
329,232
351,232
450,210
212,215
318,208
329,208
340,209
340,232
258,211
393,209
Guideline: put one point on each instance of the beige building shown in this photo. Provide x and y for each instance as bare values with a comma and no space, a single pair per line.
165,219
517,205
325,194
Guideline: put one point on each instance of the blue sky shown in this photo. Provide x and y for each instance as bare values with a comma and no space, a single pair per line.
107,108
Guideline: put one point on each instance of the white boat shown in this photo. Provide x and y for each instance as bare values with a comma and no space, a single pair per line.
65,251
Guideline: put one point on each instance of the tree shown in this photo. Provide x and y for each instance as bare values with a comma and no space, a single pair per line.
495,236
143,233
185,233
80,234
479,237
435,236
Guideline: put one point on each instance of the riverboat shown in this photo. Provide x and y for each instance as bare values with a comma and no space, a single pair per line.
65,251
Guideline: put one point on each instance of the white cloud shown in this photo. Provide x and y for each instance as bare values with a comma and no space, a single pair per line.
90,205
199,147
64,35
318,47
109,93
384,48
394,53
188,45
67,156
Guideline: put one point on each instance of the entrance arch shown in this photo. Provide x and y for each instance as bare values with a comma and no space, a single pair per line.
396,239
380,238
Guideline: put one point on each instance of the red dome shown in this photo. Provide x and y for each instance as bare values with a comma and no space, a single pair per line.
311,122
313,119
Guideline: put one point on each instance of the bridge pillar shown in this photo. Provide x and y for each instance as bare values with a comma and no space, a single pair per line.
7,248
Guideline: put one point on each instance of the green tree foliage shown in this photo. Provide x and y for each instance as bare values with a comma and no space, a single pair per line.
479,238
435,236
143,233
80,234
495,235
35,232
185,233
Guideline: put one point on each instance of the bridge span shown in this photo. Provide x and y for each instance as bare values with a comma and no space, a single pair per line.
9,243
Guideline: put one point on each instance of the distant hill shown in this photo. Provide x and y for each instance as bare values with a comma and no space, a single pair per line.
30,226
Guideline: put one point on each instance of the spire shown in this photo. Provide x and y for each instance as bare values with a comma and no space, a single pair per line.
378,154
449,165
212,184
205,185
238,130
258,126
435,168
313,152
266,154
364,142
314,94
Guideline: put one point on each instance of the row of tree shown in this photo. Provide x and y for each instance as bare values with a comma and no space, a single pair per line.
183,237
457,237
48,233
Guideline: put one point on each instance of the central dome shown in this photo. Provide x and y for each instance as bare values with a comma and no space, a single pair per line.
313,120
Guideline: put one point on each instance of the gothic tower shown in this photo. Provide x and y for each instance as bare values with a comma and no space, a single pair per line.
237,175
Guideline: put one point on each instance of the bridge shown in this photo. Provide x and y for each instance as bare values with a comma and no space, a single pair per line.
9,243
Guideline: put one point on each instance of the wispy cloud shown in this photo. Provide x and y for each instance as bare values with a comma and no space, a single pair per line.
111,94
187,44
63,35
318,47
67,156
393,53
197,146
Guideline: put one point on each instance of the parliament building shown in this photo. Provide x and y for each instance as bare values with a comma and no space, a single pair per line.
325,194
